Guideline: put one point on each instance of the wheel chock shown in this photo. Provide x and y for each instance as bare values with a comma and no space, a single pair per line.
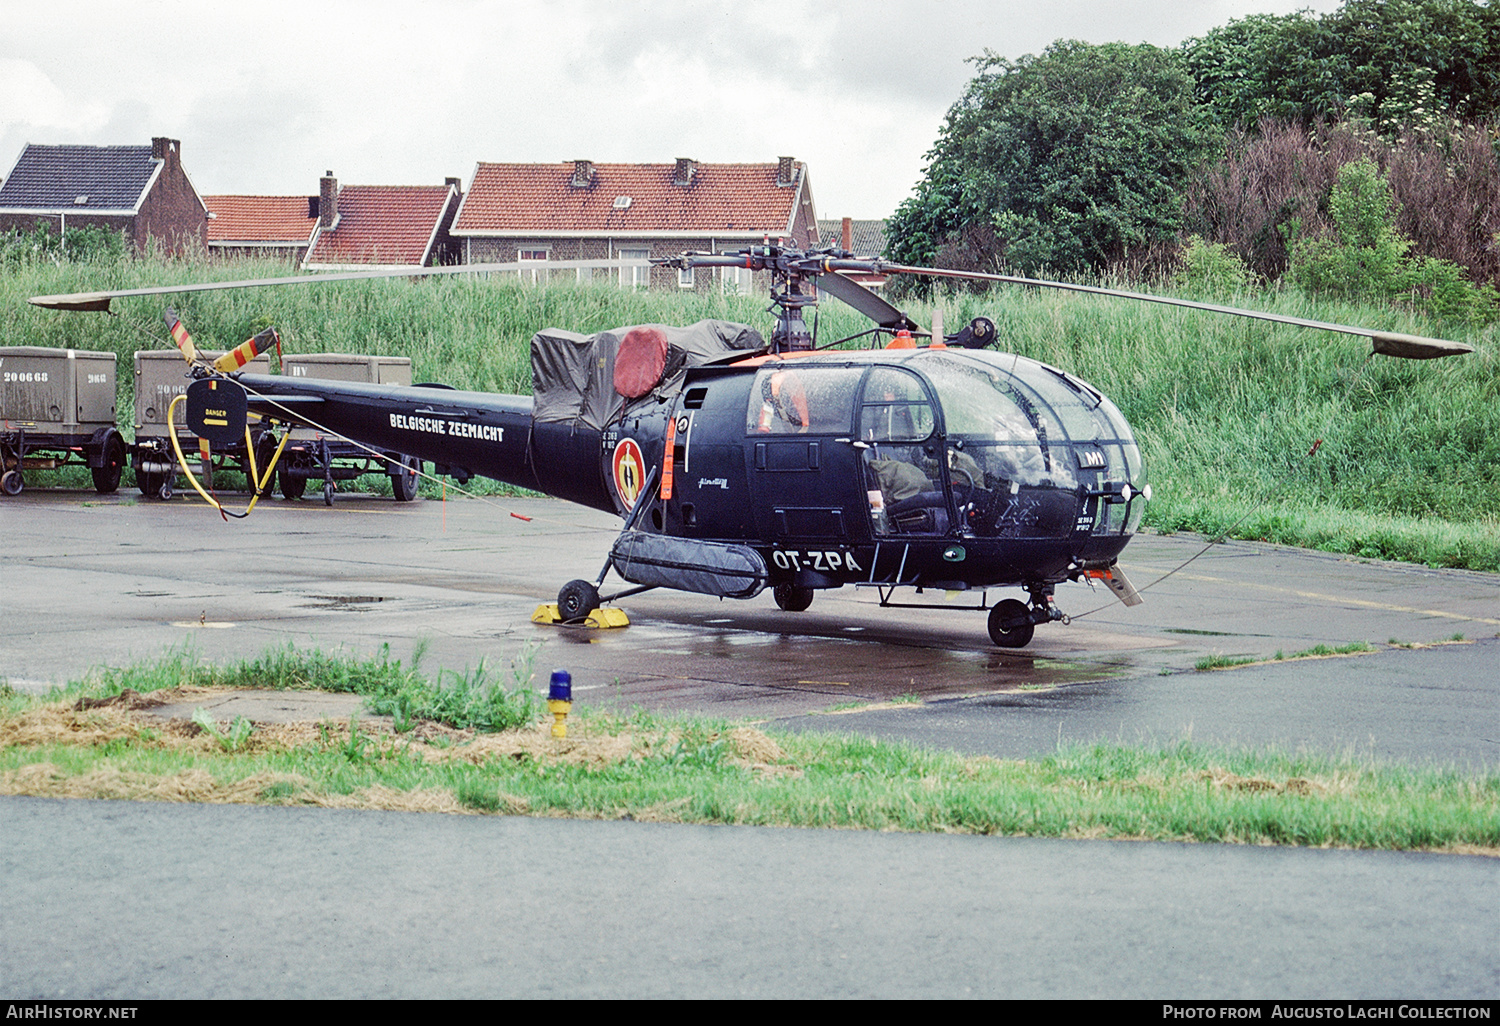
599,619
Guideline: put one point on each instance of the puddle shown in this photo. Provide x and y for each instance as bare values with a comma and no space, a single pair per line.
1211,634
342,603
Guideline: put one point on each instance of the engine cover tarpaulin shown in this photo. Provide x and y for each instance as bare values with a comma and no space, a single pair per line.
686,564
573,375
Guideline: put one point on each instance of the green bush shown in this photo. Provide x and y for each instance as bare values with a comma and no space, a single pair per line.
89,243
1211,269
1366,258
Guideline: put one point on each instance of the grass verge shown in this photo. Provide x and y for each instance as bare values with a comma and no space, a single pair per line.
94,739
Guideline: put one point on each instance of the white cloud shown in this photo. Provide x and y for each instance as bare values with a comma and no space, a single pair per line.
266,96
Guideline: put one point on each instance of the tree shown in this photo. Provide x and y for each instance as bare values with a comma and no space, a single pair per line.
1066,161
1396,64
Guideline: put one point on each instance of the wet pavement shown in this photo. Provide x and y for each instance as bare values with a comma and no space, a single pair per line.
94,580
258,902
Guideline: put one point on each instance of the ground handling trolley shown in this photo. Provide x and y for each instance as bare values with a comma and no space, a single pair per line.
312,455
57,408
161,376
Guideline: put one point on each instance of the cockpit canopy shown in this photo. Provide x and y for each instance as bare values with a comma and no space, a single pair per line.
974,426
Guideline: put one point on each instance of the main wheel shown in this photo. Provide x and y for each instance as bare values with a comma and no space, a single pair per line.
107,477
405,475
1010,624
576,600
792,598
11,483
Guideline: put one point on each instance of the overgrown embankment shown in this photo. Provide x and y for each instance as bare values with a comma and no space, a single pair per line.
1226,409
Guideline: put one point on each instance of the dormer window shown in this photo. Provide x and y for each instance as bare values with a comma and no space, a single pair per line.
622,202
80,201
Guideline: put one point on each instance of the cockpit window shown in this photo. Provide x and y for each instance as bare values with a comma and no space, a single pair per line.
986,404
895,408
790,399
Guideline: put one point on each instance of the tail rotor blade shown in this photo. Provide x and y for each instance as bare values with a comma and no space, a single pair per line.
247,351
181,337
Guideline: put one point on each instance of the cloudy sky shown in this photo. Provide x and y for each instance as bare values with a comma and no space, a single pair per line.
265,95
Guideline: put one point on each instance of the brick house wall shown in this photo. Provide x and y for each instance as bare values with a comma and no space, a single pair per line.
172,212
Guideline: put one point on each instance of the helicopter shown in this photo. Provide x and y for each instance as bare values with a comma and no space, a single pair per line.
928,462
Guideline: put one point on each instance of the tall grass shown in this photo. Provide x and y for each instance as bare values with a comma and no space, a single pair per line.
1226,410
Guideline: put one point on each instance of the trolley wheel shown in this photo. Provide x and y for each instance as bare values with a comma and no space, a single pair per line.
328,493
576,600
264,450
164,490
291,487
405,475
792,598
11,483
1010,624
107,477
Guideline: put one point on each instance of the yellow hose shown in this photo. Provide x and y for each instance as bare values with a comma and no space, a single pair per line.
258,481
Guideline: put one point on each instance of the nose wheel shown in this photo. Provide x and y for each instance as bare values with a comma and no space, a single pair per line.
1010,624
1013,622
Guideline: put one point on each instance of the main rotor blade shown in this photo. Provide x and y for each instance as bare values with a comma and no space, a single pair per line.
866,302
100,300
1387,343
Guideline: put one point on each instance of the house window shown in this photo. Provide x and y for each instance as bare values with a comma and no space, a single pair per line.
533,275
685,278
737,281
635,277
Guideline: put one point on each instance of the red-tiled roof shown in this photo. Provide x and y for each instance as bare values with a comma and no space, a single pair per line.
281,219
540,198
393,225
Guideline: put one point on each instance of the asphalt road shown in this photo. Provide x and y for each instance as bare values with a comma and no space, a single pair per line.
112,899
129,901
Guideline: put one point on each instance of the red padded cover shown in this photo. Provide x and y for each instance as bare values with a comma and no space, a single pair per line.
640,361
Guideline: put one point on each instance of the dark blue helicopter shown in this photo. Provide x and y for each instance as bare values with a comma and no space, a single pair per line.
926,463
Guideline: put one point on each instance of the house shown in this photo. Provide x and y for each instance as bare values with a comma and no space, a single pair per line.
265,227
368,226
581,210
865,239
142,191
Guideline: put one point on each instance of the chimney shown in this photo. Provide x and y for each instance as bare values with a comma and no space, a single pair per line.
848,236
786,170
165,149
328,200
687,167
583,174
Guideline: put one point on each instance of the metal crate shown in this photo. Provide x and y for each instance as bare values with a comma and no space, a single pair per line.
313,455
57,407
